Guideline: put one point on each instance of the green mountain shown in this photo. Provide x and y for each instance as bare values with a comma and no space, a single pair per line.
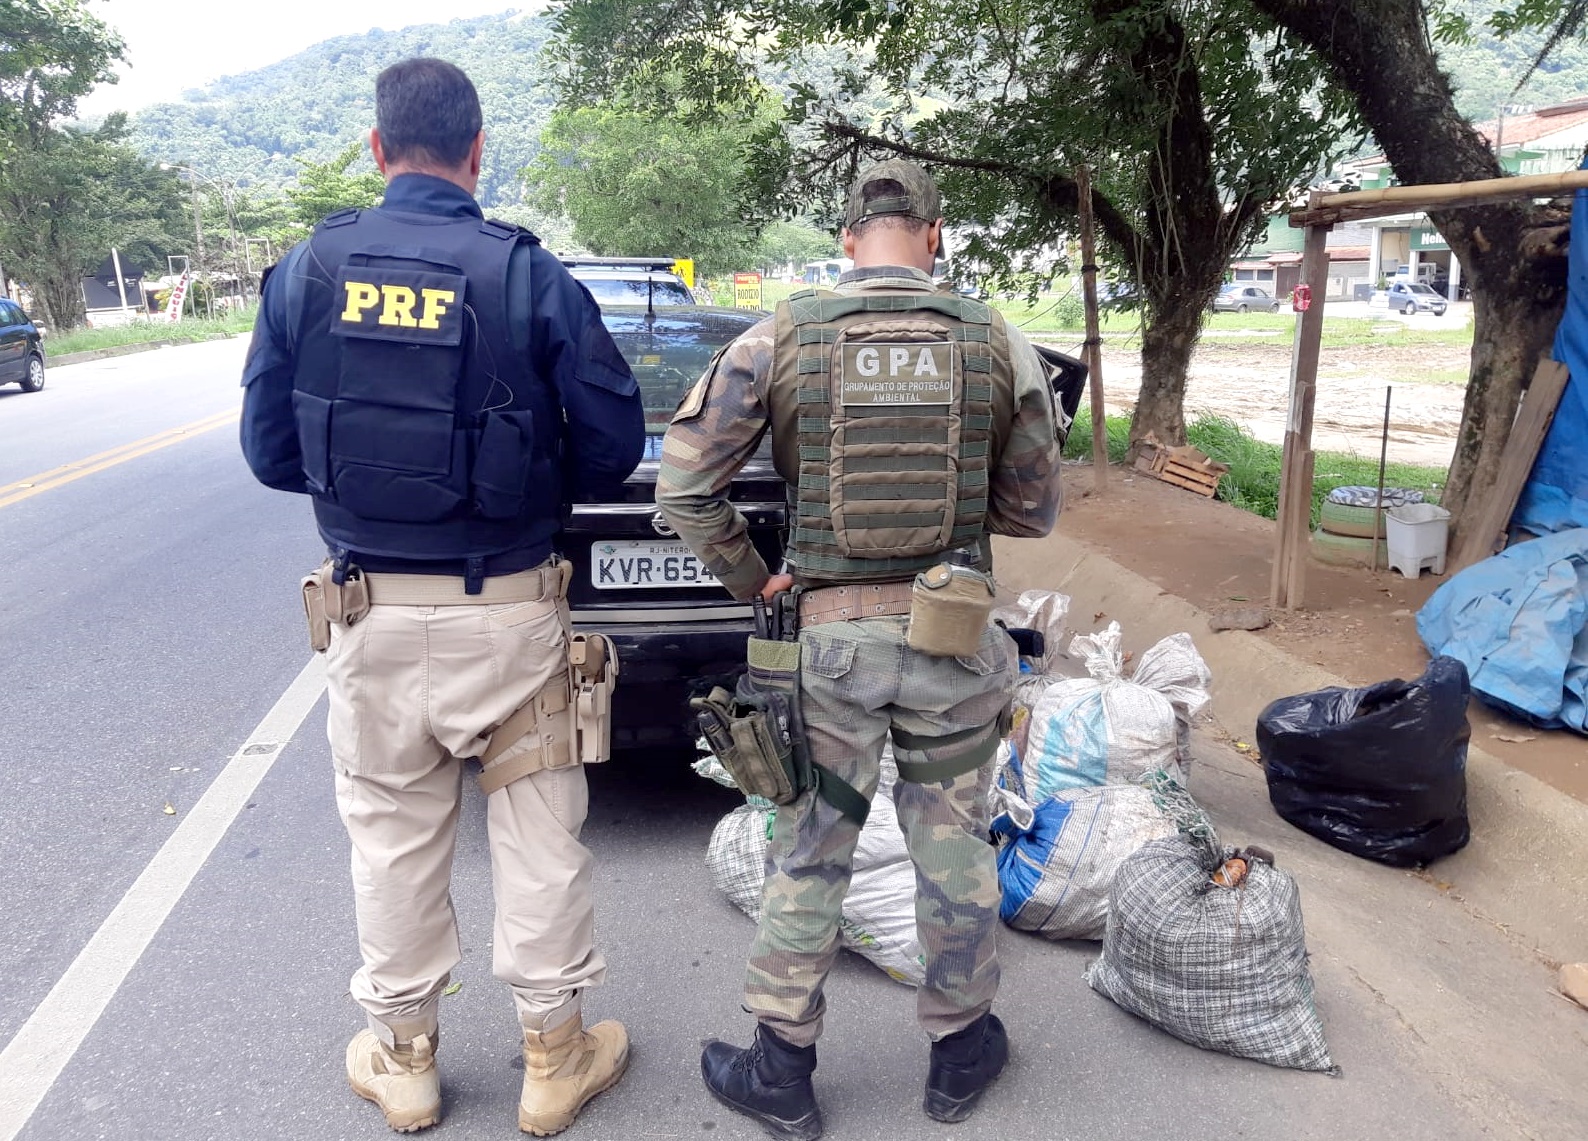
1485,71
251,128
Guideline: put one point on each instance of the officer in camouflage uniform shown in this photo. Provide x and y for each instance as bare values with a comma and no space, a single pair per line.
909,424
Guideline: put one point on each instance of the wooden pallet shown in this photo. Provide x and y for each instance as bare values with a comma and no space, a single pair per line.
1184,467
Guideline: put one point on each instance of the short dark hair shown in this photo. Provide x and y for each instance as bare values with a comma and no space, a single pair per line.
879,188
427,111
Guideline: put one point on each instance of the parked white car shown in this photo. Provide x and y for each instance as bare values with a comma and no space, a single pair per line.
1414,297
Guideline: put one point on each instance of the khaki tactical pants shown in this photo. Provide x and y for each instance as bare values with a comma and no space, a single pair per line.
412,690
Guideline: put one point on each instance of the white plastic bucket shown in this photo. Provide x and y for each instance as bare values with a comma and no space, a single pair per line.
1417,535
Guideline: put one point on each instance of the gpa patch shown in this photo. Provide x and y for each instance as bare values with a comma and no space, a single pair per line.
413,306
900,372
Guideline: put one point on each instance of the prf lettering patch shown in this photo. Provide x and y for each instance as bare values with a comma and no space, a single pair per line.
409,305
910,372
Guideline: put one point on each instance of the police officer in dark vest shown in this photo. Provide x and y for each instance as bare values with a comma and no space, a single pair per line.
439,386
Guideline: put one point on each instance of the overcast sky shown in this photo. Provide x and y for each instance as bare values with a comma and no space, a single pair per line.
176,44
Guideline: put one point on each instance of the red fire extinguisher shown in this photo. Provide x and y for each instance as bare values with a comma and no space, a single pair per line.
1301,298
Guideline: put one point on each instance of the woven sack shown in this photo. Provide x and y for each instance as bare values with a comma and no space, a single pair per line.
1221,968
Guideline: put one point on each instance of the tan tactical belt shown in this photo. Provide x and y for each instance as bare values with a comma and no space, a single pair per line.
846,603
549,580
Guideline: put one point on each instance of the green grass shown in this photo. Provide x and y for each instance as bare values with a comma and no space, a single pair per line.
1252,483
1062,314
142,332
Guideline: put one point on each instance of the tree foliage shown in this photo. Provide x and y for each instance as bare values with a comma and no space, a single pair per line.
1195,119
799,242
68,198
326,187
642,182
52,52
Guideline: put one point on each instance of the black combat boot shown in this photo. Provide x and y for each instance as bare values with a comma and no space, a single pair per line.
771,1082
963,1065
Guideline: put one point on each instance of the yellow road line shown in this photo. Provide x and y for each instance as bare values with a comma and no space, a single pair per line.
57,477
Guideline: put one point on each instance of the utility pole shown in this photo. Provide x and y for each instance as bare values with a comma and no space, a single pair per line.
198,234
121,284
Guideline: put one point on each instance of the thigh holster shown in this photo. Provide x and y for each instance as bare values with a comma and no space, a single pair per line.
757,734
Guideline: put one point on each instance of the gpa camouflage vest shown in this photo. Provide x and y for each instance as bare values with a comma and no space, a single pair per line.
888,411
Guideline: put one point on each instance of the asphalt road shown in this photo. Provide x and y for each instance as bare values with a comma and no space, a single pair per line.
150,624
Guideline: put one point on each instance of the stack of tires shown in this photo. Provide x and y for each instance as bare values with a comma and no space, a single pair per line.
1346,525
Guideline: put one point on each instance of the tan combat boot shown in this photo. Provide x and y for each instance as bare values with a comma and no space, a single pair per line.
564,1068
402,1080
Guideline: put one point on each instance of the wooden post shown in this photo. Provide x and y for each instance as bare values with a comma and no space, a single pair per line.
1356,205
1092,351
1485,531
1295,479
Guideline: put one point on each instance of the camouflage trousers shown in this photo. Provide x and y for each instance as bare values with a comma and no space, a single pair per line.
858,679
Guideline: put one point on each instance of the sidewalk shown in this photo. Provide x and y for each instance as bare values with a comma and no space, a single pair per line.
1157,560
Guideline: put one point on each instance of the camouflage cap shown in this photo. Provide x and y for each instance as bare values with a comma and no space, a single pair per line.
919,200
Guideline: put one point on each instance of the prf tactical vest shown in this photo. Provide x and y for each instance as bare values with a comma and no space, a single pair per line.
889,410
423,435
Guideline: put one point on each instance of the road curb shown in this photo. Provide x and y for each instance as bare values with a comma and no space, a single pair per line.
1528,859
124,350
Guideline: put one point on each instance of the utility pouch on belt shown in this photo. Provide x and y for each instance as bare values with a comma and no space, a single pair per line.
949,607
314,611
326,601
593,675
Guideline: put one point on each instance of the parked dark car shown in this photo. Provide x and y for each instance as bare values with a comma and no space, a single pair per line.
677,631
1413,296
1238,297
21,349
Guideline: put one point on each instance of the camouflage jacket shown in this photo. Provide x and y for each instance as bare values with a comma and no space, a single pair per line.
719,424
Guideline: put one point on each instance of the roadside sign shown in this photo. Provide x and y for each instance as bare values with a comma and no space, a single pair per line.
173,307
685,268
747,291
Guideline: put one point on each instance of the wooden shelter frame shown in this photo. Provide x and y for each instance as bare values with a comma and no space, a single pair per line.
1323,212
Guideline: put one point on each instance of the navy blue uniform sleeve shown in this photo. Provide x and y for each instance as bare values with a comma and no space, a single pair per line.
269,431
604,436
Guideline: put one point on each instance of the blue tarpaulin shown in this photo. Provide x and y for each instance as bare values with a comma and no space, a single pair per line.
1517,621
1556,495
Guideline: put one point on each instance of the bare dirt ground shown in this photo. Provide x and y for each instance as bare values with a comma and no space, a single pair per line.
1358,624
1248,380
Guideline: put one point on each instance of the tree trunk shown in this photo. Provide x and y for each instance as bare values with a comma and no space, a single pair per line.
1168,338
1380,51
1512,328
63,302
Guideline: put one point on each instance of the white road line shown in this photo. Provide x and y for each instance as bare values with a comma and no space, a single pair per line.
33,1059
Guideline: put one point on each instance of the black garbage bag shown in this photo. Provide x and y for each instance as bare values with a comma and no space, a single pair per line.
1379,772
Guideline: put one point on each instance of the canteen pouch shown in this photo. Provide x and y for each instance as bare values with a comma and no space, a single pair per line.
592,677
949,608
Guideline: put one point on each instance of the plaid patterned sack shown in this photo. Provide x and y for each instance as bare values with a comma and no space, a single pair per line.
1224,968
736,856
